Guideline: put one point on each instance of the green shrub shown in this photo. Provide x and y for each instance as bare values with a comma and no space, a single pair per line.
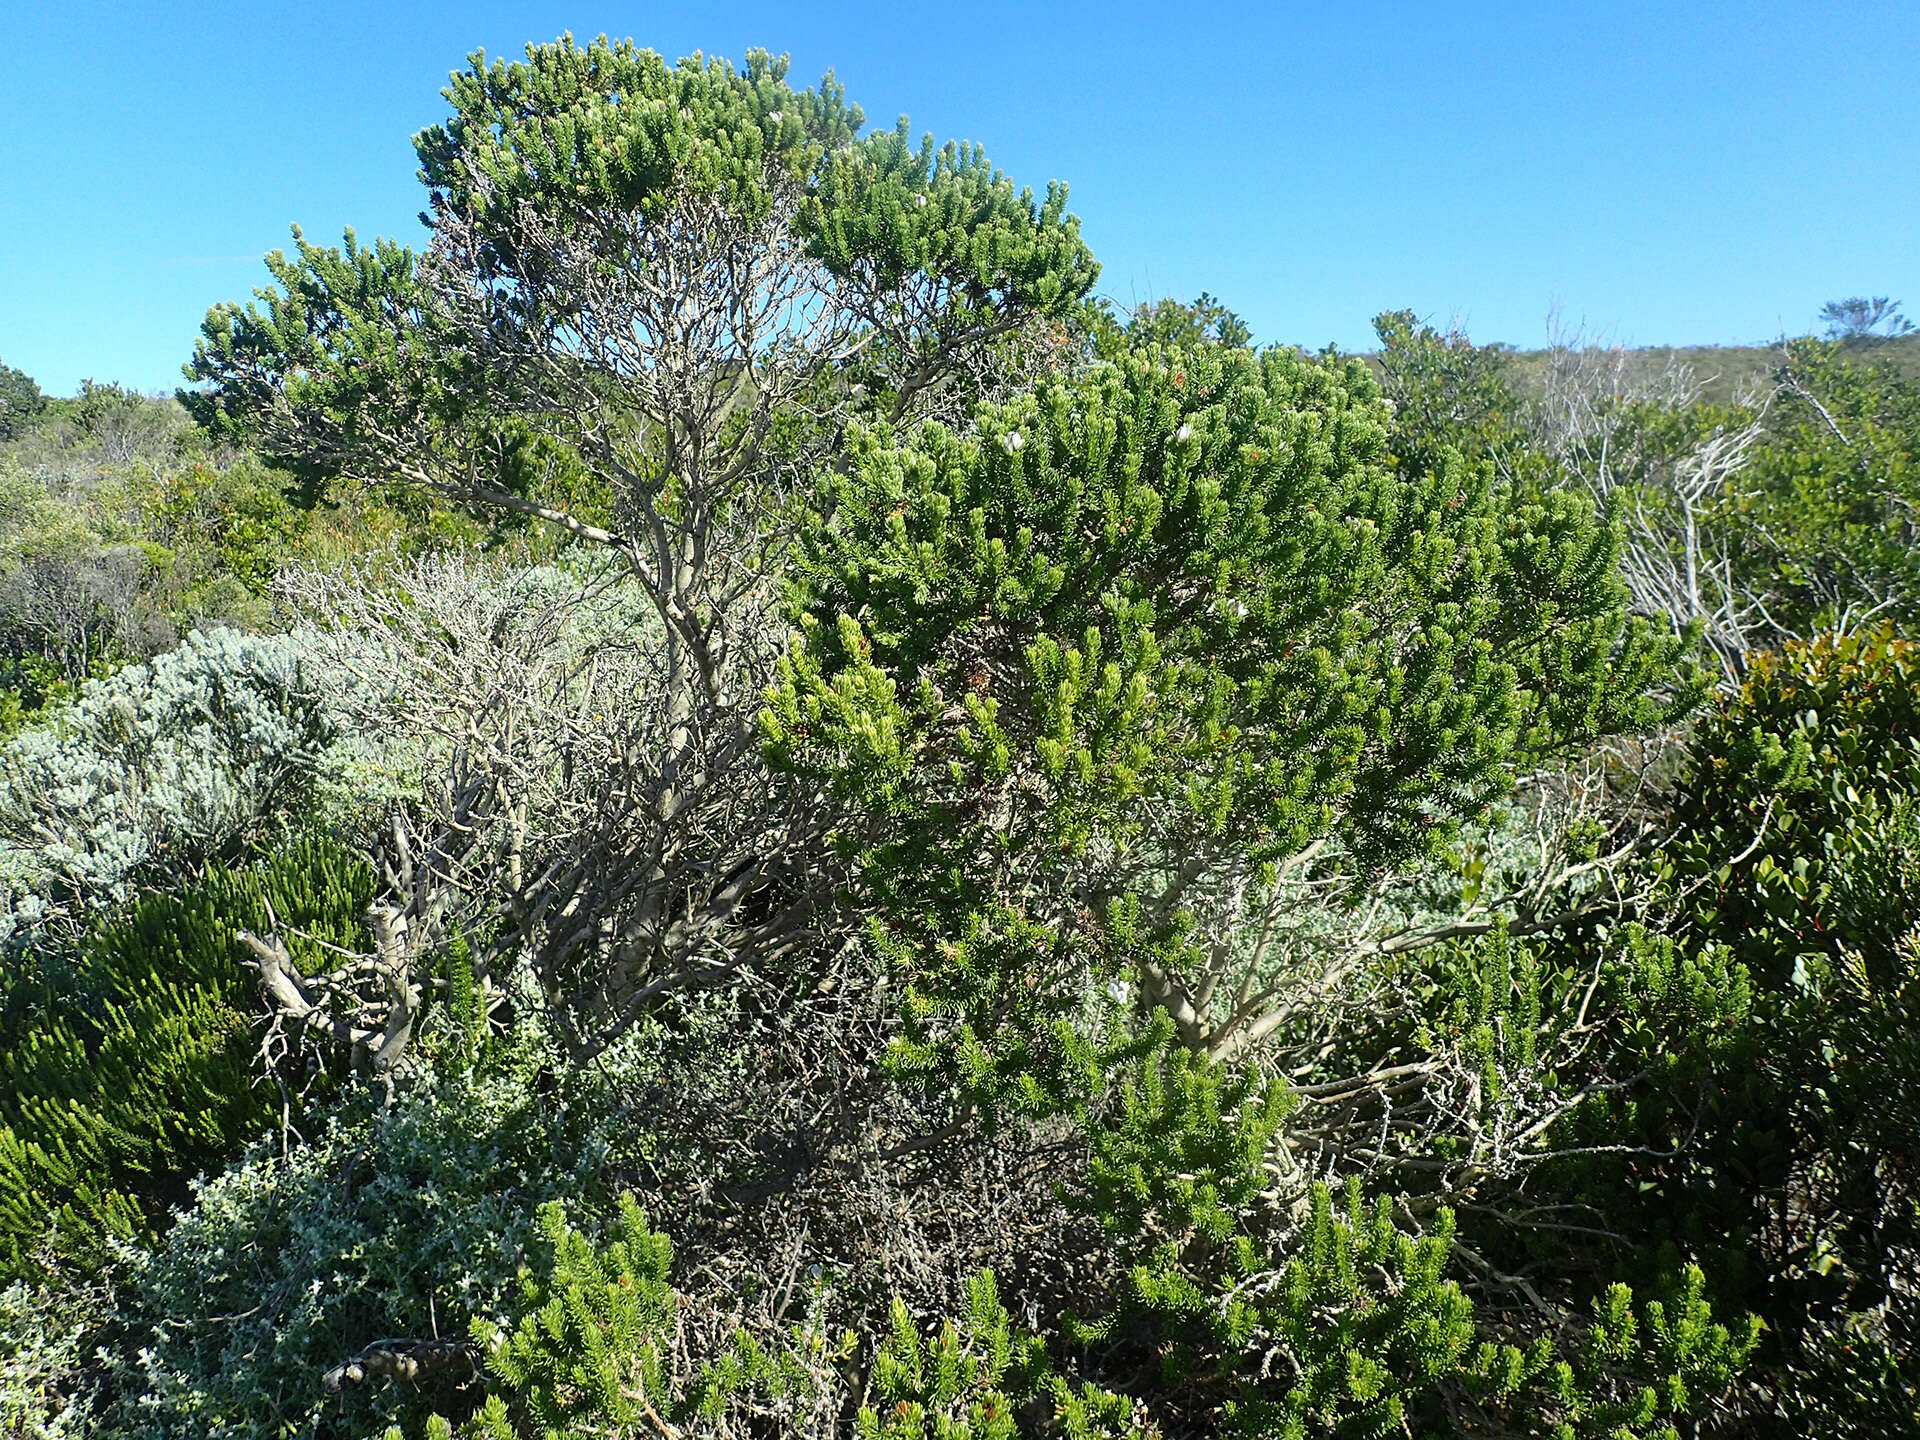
955,1384
1788,1161
1821,522
20,401
1794,785
597,1349
593,1348
1351,1323
45,1392
130,1071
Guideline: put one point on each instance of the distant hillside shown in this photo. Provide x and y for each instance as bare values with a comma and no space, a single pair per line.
1725,371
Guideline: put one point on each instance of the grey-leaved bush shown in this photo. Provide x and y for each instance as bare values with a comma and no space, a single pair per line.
413,1222
160,769
44,1393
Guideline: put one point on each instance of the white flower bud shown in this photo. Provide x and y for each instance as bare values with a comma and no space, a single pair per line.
1183,434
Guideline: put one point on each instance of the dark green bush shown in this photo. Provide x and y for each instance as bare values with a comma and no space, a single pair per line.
134,1069
1789,1160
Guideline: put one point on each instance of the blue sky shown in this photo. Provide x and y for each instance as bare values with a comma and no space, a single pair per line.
1663,173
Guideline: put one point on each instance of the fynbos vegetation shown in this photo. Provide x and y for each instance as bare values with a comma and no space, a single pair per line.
723,805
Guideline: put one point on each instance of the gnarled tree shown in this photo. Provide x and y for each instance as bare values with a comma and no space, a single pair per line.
655,297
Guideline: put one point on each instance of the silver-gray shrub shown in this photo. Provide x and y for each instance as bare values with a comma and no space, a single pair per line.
408,1222
44,1386
159,769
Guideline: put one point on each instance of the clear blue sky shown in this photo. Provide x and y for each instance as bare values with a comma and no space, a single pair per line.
1674,173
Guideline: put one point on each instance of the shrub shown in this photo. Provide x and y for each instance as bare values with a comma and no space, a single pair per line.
413,1220
593,1350
159,771
1822,522
129,1072
1790,1162
44,1390
20,401
1351,1322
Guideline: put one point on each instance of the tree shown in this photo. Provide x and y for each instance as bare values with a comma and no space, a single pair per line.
1864,318
1169,323
20,401
655,297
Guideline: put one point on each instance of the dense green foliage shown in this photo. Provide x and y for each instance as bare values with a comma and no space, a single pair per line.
935,247
20,401
1806,519
1796,851
127,1077
1827,513
1154,634
1168,324
1200,580
589,1352
967,866
1780,1155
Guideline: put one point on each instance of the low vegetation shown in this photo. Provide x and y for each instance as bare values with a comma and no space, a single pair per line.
723,805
